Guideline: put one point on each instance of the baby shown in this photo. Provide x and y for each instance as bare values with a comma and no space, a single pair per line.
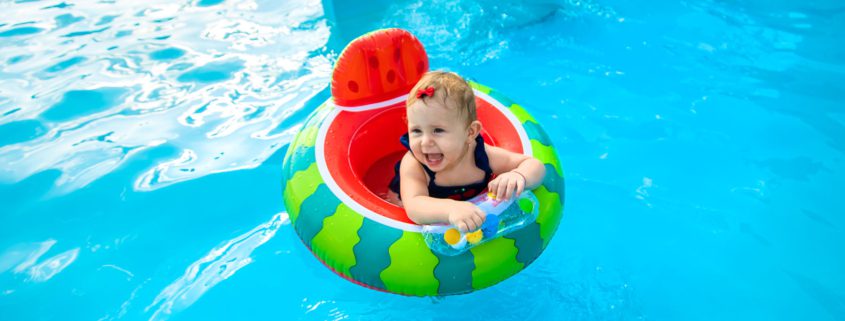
448,161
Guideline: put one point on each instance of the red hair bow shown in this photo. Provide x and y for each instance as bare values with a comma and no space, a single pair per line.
428,91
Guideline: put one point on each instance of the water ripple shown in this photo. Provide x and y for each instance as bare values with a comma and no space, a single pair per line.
477,31
24,258
207,83
218,265
22,31
44,271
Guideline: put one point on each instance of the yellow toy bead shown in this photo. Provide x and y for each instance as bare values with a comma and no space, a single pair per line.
452,236
475,237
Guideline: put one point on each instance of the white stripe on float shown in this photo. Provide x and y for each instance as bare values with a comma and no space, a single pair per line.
381,104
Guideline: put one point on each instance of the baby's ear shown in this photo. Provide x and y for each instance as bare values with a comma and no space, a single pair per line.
474,129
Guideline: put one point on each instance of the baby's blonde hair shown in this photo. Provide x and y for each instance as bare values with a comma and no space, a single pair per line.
448,86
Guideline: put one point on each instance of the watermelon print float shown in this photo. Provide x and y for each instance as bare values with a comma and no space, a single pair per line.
338,167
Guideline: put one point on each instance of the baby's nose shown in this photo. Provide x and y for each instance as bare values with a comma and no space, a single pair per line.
427,140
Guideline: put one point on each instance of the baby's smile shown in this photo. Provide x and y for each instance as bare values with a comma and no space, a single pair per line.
433,159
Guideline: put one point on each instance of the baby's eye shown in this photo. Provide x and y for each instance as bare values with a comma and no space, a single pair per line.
416,131
439,130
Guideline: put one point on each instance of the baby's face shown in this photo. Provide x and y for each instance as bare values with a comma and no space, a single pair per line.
438,135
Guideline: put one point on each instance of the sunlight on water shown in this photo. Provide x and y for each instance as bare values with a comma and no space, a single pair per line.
474,30
50,267
218,265
108,87
21,257
26,258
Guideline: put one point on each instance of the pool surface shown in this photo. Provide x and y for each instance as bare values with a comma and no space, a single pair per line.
141,146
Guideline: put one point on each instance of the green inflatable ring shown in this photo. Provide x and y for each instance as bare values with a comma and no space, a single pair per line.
337,167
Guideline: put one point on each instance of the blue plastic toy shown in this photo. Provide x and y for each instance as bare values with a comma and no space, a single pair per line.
503,217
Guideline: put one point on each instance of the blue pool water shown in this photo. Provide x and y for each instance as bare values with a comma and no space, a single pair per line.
141,148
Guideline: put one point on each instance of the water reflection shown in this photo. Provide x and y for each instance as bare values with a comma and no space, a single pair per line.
473,32
218,265
50,267
122,76
24,258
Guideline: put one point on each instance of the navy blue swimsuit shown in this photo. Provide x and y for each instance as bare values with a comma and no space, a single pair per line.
461,193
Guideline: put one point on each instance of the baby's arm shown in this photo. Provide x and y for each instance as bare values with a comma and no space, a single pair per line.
516,172
424,209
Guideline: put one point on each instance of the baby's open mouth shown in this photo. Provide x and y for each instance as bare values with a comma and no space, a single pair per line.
433,158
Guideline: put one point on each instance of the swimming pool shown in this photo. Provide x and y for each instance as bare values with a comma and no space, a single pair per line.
141,146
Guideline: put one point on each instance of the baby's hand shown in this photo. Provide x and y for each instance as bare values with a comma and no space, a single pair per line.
466,216
507,185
